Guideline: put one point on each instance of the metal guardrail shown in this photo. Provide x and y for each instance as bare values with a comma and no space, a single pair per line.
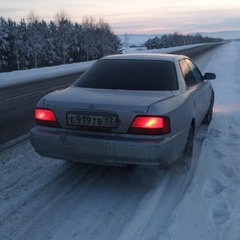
198,51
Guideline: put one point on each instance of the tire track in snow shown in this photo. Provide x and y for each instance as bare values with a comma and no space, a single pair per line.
74,201
154,212
31,209
42,207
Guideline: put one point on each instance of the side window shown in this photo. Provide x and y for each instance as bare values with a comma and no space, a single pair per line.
196,73
187,73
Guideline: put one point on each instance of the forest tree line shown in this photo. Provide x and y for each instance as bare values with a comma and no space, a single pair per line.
177,39
36,43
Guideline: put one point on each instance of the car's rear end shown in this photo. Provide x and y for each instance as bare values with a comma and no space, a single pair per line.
104,117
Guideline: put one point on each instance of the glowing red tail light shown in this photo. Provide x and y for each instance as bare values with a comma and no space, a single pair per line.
45,117
153,125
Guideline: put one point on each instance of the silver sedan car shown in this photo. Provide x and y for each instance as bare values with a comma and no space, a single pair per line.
131,110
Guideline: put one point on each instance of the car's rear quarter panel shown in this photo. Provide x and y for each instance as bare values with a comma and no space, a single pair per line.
179,109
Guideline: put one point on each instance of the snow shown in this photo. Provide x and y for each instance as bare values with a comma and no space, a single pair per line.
11,78
41,198
210,208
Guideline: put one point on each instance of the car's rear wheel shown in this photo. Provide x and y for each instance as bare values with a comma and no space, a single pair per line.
183,164
188,152
208,117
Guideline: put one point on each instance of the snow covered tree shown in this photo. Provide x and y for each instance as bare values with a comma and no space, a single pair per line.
153,43
4,45
63,36
77,53
166,43
35,40
19,47
106,43
88,32
177,39
38,43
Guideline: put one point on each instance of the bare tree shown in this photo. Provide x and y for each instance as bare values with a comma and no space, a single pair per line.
61,16
33,17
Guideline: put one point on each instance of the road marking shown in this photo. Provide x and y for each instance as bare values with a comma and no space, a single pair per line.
32,94
19,97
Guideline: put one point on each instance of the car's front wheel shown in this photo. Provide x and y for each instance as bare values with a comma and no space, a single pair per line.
208,117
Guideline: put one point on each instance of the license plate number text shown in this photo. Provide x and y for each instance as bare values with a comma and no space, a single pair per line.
91,120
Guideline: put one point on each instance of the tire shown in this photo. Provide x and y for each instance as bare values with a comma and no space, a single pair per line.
208,117
183,164
188,152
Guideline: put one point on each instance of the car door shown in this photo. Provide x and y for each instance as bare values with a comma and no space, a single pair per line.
195,84
204,87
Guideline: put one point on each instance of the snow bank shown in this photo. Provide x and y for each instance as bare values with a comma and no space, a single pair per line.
210,209
21,76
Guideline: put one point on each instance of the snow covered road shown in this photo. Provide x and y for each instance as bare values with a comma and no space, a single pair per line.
50,199
42,198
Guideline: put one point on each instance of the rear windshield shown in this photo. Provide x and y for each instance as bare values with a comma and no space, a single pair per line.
130,75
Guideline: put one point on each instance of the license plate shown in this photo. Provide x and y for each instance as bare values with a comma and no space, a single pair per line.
91,120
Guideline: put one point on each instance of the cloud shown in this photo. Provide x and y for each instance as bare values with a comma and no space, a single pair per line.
153,16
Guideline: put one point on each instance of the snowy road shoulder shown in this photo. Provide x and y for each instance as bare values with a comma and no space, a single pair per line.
210,209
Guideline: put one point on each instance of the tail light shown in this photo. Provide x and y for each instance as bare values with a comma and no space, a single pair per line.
150,125
45,117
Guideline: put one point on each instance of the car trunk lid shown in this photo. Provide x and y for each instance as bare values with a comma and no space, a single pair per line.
100,109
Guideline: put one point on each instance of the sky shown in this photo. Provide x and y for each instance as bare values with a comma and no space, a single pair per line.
136,16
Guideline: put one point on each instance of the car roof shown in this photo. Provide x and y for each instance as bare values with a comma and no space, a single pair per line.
146,56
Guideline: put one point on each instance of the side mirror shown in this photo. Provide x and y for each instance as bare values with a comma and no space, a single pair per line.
208,76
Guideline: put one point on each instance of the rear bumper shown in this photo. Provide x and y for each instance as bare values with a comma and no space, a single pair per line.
106,148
